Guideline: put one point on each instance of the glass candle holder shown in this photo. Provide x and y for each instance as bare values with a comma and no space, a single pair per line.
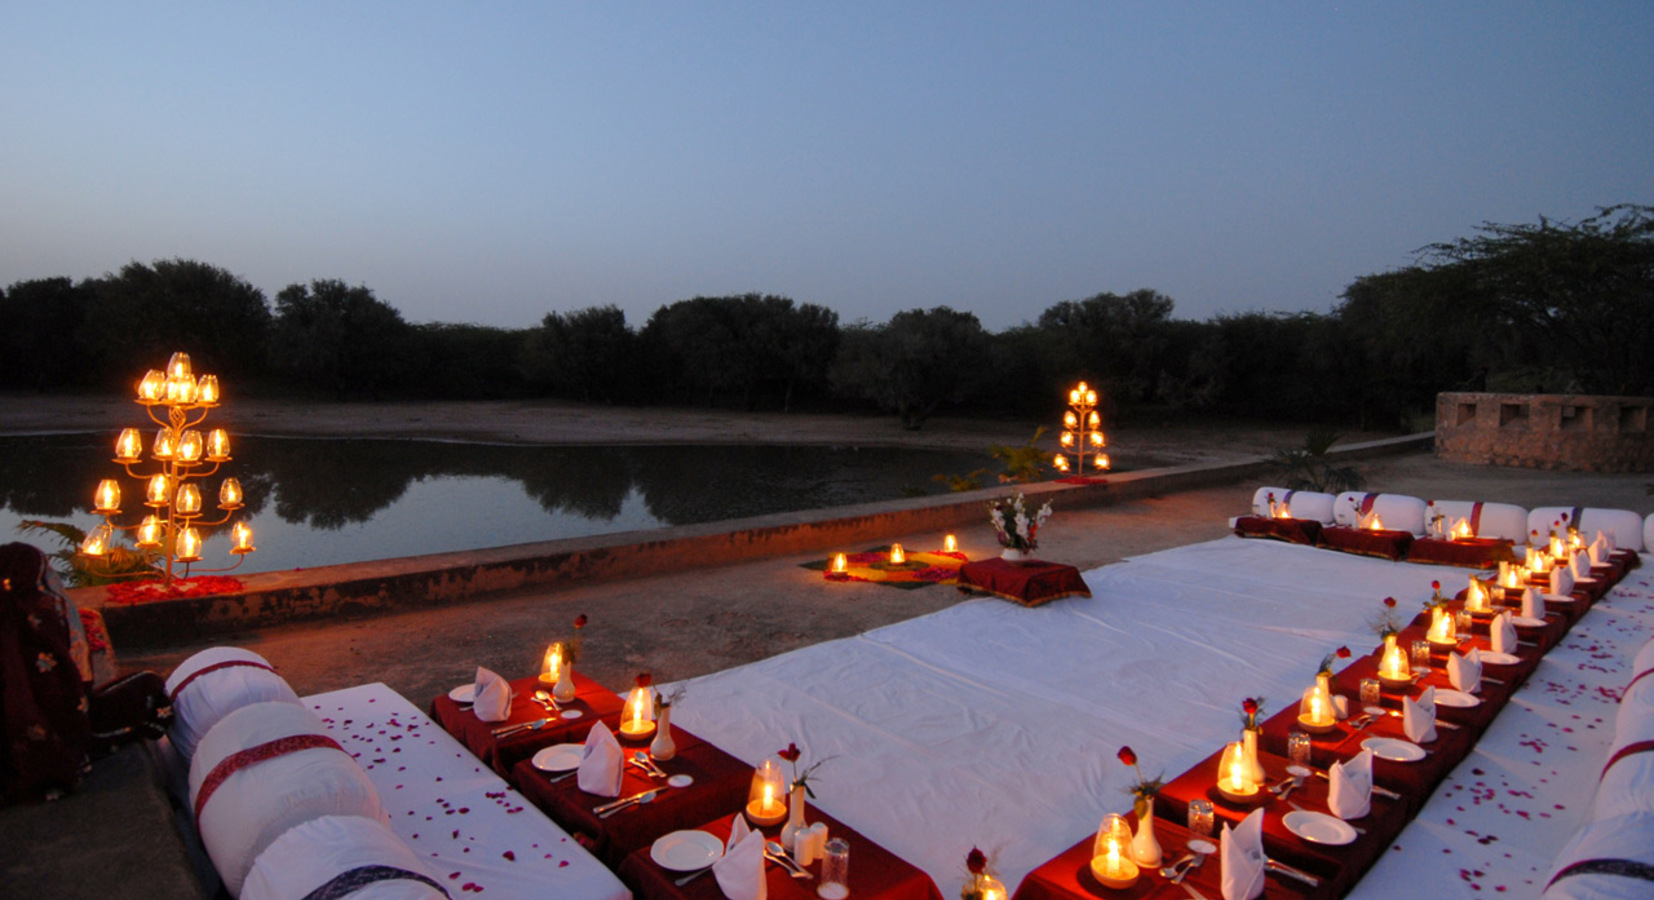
1421,655
835,870
1201,818
1462,621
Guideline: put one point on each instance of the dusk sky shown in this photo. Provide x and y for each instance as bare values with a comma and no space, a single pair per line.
490,162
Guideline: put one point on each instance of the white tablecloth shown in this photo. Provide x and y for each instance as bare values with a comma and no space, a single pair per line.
994,725
464,821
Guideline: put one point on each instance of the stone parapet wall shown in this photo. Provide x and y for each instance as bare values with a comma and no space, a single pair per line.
1576,432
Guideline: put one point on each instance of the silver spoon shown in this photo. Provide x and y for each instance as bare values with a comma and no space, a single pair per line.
646,798
680,882
1171,870
547,700
1200,857
775,851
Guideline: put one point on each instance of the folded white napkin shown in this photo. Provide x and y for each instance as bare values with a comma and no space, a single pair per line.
1502,631
601,763
1350,786
1580,565
1465,672
492,702
740,872
1562,581
1606,536
1533,605
1240,852
1418,717
1599,550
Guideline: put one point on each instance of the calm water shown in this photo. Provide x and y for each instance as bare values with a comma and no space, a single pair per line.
320,502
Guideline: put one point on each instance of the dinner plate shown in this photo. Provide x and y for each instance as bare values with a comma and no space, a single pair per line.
1557,598
1203,847
686,851
1500,659
1527,621
1456,698
1580,579
558,757
1317,827
465,693
1394,750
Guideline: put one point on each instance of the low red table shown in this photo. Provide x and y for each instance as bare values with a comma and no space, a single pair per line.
1383,543
875,873
721,784
1293,531
1031,583
1474,553
592,700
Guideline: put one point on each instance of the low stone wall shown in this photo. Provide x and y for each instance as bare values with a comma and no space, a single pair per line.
445,578
1576,432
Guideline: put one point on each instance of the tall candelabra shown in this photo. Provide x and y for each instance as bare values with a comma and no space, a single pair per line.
181,457
1082,434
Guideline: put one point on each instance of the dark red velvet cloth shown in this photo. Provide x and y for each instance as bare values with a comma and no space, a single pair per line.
1068,876
721,784
1295,531
1474,553
875,873
1029,583
593,700
1382,543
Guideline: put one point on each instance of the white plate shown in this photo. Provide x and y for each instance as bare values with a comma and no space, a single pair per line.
1557,598
1527,622
1318,827
558,757
1456,698
1203,847
1394,750
465,693
681,781
1500,659
1583,580
571,714
686,851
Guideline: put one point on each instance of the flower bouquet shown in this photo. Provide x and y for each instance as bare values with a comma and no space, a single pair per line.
1017,532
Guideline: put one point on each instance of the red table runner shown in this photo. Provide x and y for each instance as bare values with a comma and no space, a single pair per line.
1475,553
721,783
1029,583
1295,531
592,700
875,873
1382,543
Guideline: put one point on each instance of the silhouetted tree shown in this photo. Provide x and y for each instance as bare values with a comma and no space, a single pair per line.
585,355
42,346
144,314
1114,341
339,338
914,363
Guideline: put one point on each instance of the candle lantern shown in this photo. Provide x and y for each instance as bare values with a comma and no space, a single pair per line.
128,446
552,669
1393,668
96,542
1082,428
149,533
241,534
767,798
1461,531
1376,523
1234,778
950,544
1442,632
897,555
106,500
840,563
638,719
1111,860
1315,711
983,886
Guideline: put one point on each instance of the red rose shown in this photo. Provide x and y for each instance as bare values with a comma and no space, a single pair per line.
1435,585
1343,652
1128,757
976,861
1250,706
1390,602
791,754
580,621
1564,517
644,679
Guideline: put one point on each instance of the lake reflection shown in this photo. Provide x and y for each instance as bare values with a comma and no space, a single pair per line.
320,502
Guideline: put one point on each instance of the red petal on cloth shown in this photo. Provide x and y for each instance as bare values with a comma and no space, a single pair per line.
135,592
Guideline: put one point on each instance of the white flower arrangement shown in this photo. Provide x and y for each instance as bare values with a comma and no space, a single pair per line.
1023,532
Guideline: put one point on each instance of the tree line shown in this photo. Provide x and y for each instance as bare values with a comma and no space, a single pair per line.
1552,306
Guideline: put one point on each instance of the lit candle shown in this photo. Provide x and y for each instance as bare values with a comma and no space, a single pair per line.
106,500
897,556
1393,666
159,492
553,668
188,500
96,542
765,803
640,713
218,445
188,548
229,494
1235,777
950,544
164,444
1111,860
149,533
206,390
840,563
1441,627
242,535
153,387
1102,461
128,446
178,366
1461,531
1061,462
189,446
1377,523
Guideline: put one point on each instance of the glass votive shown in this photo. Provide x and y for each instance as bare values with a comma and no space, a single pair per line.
1370,691
835,870
1421,654
1201,821
1462,621
1298,747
